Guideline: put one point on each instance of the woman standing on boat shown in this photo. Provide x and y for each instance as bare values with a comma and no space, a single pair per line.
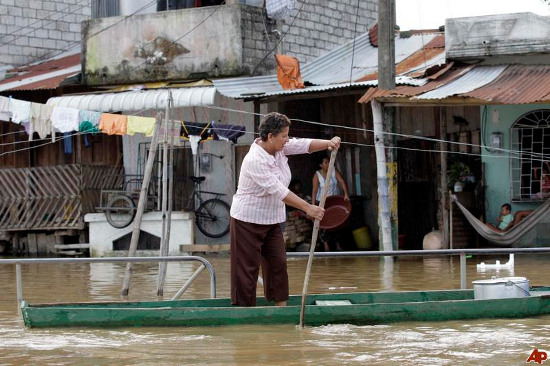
258,209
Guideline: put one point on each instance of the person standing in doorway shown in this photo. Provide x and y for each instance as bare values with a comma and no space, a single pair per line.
319,181
258,209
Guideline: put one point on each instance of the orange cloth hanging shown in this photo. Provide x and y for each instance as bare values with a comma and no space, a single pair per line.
288,72
113,124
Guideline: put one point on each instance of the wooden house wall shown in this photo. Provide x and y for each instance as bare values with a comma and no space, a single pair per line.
101,150
424,121
356,158
10,136
420,170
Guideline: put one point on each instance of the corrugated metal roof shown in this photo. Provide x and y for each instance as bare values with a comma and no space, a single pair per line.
479,76
336,66
442,77
137,100
333,70
421,59
436,42
506,84
518,84
46,75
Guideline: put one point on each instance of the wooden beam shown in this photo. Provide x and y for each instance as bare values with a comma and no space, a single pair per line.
141,205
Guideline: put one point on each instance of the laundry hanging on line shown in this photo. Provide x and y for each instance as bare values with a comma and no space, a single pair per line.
47,119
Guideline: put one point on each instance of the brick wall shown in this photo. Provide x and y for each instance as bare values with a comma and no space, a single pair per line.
31,30
318,27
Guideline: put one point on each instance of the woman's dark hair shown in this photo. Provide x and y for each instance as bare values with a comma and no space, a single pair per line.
272,123
322,157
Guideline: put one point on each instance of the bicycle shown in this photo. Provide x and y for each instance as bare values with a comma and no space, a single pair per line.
120,209
212,215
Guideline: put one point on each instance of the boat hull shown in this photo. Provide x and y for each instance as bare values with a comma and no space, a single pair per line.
365,309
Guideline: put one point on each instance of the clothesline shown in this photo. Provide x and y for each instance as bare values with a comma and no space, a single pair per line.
47,119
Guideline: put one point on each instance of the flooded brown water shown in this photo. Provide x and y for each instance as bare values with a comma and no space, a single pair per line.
480,342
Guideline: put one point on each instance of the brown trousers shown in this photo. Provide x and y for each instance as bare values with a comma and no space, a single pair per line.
252,245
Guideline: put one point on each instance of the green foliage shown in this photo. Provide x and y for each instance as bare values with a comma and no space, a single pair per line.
457,173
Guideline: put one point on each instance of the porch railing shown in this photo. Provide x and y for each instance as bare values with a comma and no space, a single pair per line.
51,198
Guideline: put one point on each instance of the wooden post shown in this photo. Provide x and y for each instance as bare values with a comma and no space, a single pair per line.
386,44
141,205
164,184
443,177
450,220
382,178
167,217
384,122
314,238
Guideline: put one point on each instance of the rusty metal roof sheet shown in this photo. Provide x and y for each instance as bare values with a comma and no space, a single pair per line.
373,35
446,75
437,42
475,78
502,84
421,59
518,84
46,75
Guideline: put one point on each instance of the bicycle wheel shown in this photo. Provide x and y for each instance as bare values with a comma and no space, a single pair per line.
212,218
120,211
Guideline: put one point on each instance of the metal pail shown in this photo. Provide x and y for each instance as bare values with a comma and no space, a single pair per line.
501,288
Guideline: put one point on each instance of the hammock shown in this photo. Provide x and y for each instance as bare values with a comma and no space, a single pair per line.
511,236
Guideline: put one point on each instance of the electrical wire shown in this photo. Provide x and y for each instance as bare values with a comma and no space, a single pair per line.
78,43
431,139
44,24
519,155
354,40
185,34
280,39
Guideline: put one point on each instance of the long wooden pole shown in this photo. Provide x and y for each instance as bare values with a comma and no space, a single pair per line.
141,205
314,237
450,220
165,249
165,197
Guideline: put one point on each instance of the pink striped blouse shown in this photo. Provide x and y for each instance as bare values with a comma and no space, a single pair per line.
263,183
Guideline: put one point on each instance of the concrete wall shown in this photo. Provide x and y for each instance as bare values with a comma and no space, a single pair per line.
179,44
31,30
497,168
497,35
322,25
313,29
209,42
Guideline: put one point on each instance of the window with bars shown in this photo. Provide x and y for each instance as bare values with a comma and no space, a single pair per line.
105,8
530,156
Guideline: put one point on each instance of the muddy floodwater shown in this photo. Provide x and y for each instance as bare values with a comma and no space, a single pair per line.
479,342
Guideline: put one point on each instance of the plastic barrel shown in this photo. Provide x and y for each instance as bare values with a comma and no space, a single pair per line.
362,238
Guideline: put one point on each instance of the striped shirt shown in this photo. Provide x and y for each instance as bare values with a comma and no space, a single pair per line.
263,183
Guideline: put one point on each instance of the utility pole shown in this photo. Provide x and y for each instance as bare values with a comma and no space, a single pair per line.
383,123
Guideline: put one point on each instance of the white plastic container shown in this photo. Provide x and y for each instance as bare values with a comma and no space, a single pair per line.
501,288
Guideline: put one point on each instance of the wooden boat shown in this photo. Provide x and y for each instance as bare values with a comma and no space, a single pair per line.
353,308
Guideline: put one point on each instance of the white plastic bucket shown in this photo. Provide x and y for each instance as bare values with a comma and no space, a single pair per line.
501,288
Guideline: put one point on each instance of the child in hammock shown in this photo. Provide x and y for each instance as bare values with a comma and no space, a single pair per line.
504,220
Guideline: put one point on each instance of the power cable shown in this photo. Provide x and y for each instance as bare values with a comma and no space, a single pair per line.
280,39
44,24
185,34
513,152
77,43
354,40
